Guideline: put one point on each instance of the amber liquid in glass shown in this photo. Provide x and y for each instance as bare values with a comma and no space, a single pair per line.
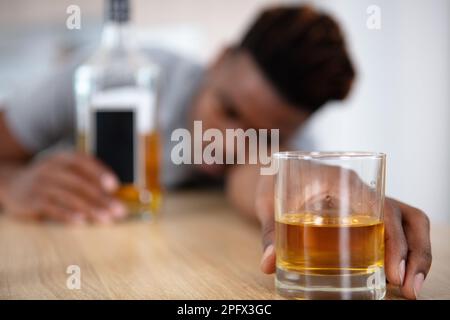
325,251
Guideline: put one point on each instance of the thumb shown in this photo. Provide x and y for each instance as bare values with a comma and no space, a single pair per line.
265,212
268,258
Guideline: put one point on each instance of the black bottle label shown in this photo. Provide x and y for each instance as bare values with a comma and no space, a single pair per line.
115,141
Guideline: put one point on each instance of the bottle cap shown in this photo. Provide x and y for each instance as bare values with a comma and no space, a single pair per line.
119,11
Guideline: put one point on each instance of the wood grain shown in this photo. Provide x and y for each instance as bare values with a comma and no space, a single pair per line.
199,249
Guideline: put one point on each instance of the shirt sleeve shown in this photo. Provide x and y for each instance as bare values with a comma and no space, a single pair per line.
42,114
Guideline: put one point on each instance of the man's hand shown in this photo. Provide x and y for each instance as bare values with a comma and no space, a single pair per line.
407,240
65,187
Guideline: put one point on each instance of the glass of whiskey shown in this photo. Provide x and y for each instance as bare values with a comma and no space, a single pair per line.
329,225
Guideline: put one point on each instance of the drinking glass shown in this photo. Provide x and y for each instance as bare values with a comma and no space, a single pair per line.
329,225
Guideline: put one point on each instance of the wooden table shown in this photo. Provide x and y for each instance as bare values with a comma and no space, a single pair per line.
199,249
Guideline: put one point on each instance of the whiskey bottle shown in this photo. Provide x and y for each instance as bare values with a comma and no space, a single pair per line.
116,110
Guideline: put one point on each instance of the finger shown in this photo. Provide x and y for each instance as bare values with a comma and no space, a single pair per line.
91,169
76,205
264,205
265,212
54,212
417,229
29,213
395,242
66,202
268,231
268,260
93,197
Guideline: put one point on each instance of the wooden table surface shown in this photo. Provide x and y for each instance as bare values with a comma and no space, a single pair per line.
199,249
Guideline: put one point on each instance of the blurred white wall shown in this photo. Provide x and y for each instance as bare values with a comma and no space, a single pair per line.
221,22
400,103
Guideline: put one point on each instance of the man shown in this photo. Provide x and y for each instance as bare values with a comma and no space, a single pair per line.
291,62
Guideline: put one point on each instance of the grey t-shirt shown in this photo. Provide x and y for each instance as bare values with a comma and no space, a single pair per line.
43,117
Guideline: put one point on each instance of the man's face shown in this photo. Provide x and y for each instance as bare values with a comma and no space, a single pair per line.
236,95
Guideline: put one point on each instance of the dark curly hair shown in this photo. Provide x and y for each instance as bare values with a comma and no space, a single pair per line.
303,53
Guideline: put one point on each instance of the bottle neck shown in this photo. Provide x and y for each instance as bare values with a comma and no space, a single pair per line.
118,35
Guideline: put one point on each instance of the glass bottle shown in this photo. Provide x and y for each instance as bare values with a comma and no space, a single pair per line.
116,110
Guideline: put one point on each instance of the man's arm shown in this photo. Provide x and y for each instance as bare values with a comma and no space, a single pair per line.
13,156
241,184
10,148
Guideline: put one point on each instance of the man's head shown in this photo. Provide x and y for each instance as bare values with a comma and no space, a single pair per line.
290,62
